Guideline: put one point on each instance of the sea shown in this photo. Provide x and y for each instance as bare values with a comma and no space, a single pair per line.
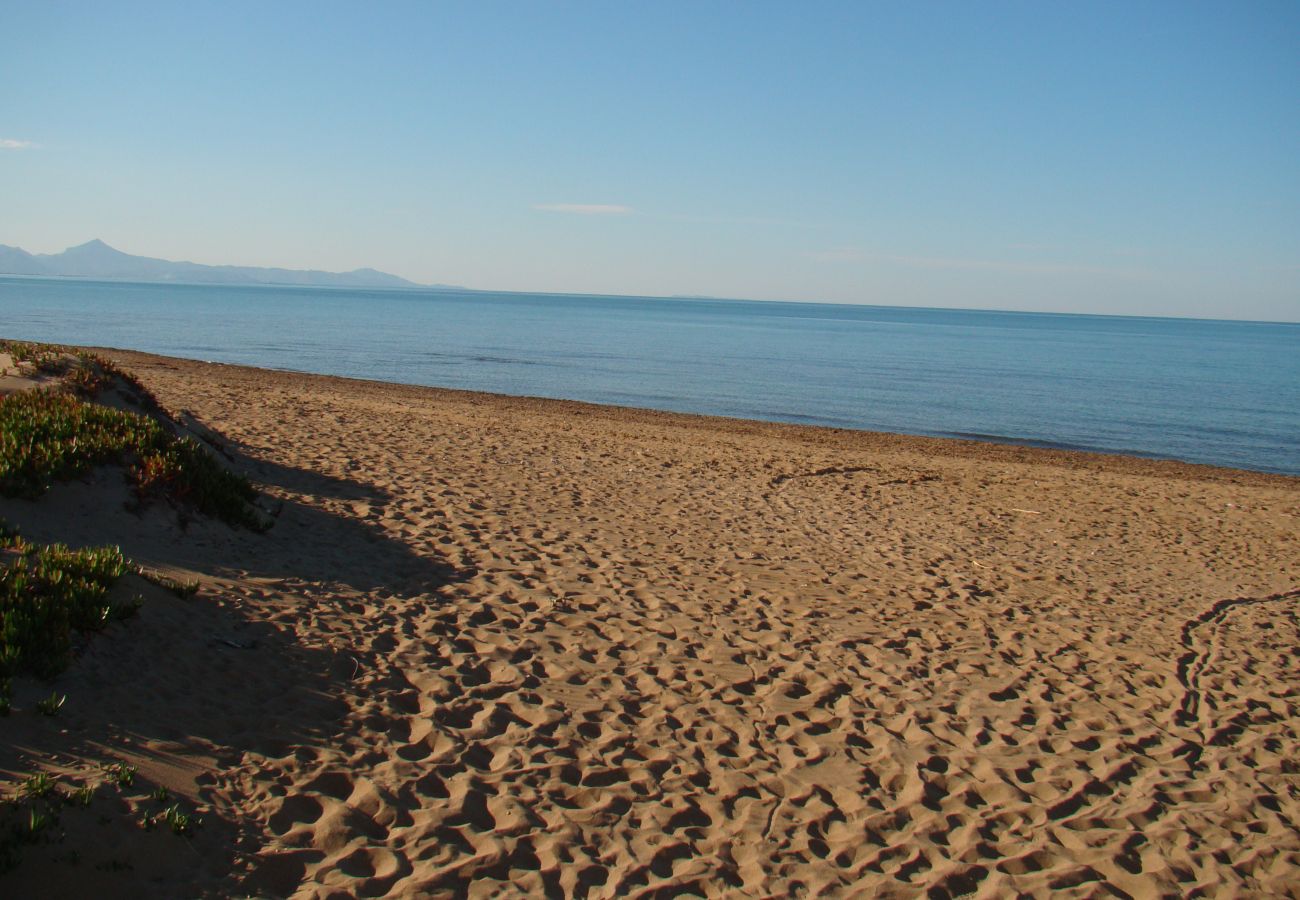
1225,393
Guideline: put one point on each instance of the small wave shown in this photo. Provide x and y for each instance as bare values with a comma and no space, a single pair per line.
1062,445
1031,442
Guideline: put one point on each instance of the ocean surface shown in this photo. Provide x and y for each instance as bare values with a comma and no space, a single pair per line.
1219,392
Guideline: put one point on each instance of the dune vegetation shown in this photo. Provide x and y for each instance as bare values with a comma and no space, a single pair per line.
58,430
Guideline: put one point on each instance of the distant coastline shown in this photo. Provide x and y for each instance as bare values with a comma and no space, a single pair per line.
96,260
177,282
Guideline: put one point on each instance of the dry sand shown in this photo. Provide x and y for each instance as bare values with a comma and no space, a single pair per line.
497,646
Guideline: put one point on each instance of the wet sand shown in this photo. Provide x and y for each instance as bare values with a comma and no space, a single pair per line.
498,646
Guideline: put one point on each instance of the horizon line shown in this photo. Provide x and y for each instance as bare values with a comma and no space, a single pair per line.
674,298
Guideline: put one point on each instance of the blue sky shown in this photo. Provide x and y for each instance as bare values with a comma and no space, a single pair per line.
1124,158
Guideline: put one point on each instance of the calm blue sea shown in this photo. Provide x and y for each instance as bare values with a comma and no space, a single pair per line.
1226,393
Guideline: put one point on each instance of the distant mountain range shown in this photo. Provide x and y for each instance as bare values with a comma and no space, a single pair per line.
96,259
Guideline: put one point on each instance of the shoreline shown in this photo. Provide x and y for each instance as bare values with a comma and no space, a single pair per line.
509,646
994,447
930,372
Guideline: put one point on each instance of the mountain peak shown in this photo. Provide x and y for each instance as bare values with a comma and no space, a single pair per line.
93,250
93,244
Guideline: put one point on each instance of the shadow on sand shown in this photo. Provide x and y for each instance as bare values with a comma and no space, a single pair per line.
188,688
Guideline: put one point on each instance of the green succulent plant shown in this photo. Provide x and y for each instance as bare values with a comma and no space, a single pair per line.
46,593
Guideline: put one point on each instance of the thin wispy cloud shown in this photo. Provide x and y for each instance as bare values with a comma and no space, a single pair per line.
13,144
585,209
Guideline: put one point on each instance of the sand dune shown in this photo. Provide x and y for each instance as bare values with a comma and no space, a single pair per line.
511,647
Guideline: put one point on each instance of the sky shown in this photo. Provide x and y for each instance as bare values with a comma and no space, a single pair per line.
1127,157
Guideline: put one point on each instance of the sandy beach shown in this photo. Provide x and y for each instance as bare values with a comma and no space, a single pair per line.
512,647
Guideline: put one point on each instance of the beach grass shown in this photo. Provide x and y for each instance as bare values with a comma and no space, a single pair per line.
48,592
47,435
63,811
52,434
78,371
